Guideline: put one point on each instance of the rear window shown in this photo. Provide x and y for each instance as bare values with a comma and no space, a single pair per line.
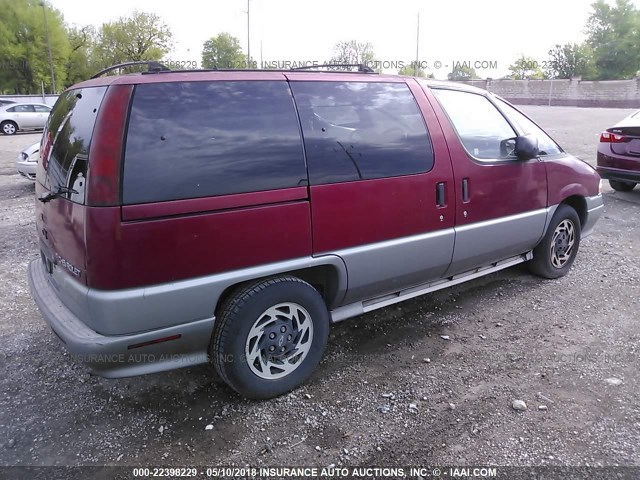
361,130
198,139
70,128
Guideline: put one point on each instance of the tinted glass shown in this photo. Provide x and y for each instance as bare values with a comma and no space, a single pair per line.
358,131
545,144
197,139
70,127
480,125
41,109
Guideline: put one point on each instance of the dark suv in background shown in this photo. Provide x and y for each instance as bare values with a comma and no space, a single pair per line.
232,216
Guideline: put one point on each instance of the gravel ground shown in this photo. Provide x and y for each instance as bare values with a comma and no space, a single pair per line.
431,381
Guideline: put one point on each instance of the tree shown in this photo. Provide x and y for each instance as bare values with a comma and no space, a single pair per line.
24,55
613,32
140,37
526,68
79,65
223,51
353,52
462,72
571,60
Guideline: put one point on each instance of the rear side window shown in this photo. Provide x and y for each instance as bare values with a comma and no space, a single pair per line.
361,130
70,128
480,125
198,139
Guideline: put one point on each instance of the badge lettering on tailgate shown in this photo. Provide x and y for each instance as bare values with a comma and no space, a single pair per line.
68,265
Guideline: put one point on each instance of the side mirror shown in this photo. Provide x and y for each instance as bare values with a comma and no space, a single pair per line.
526,147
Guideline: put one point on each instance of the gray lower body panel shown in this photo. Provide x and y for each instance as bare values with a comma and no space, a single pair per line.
358,308
123,312
485,242
119,355
388,266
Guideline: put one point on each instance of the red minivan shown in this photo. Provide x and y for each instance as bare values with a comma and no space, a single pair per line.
232,216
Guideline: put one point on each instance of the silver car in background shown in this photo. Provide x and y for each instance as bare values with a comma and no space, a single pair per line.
23,116
27,161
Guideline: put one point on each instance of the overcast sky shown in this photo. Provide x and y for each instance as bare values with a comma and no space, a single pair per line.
301,30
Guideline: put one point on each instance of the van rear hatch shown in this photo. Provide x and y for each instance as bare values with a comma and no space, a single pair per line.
78,172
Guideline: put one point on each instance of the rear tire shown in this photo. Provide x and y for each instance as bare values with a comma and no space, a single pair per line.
270,336
622,186
8,127
555,254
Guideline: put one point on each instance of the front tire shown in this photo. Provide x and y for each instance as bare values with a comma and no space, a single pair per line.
8,128
270,336
555,254
622,186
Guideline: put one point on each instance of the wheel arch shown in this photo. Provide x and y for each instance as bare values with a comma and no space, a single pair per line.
579,204
328,278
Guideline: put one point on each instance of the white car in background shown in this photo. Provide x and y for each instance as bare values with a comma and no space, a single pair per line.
27,161
23,116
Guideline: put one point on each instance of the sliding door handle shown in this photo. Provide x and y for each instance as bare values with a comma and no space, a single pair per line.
440,194
465,189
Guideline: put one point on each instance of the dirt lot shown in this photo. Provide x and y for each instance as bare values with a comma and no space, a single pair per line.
511,336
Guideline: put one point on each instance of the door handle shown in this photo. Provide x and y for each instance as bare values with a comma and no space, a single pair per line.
465,190
440,194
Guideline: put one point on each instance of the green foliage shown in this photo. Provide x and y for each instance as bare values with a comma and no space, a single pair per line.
462,72
353,52
526,68
139,37
24,56
571,60
79,65
223,51
613,32
409,69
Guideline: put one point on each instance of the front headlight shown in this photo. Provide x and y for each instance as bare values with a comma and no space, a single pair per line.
23,156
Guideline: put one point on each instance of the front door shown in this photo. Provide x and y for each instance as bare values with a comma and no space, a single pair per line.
380,184
500,201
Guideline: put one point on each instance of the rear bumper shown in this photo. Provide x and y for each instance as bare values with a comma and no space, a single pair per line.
119,355
595,207
619,174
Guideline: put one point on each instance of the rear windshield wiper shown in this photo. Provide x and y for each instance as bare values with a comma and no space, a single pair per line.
61,191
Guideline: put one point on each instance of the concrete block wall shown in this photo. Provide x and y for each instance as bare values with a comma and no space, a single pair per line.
574,92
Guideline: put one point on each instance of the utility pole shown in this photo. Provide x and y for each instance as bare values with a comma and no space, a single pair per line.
248,38
46,30
415,65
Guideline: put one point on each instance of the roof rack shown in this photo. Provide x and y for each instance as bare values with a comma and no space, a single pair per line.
362,68
157,67
153,67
